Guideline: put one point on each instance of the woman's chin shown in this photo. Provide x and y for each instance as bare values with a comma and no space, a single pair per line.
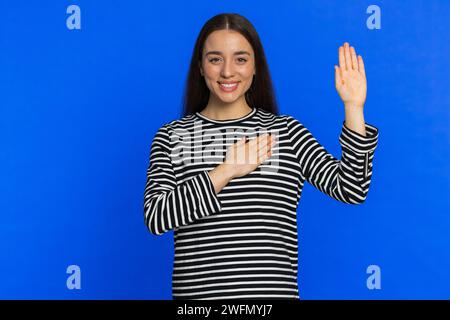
228,98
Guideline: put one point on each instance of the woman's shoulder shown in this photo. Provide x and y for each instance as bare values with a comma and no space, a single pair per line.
286,118
178,123
269,114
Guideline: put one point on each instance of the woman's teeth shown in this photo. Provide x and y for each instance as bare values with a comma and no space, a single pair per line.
228,87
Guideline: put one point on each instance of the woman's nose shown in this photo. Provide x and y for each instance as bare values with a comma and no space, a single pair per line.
227,69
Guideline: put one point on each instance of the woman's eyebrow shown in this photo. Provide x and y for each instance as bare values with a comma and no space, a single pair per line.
220,52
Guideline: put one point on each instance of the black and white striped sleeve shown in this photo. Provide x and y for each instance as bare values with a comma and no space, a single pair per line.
346,180
168,204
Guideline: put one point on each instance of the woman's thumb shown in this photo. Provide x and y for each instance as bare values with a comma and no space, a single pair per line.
242,140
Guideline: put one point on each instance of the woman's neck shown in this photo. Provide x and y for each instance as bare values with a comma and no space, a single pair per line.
226,111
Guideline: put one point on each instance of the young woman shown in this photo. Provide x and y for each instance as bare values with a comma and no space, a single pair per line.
227,177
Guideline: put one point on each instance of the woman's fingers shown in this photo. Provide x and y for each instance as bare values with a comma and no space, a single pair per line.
240,142
274,140
341,58
264,153
337,76
265,150
259,148
348,59
239,152
361,66
254,150
265,141
258,140
354,59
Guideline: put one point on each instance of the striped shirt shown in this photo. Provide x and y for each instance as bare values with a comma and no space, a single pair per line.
242,242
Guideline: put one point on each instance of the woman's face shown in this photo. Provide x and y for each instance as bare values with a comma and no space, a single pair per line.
227,57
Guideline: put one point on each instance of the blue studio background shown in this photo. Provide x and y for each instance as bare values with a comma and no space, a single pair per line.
79,109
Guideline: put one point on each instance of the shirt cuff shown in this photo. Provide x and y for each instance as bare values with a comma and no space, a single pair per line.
356,141
213,200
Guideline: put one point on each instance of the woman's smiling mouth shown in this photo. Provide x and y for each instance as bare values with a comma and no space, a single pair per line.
228,87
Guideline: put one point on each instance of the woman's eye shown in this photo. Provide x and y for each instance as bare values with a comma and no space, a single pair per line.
240,60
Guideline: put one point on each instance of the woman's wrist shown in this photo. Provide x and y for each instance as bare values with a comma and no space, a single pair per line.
220,176
354,119
225,170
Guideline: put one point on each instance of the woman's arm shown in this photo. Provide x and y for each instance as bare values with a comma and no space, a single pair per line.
346,180
168,205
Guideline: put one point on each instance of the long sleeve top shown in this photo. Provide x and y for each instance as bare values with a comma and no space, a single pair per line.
242,242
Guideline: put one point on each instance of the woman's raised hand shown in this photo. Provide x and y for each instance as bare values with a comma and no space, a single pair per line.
350,77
